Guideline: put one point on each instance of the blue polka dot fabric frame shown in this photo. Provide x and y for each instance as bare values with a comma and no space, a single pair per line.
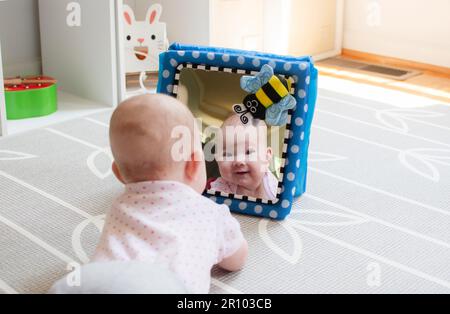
295,153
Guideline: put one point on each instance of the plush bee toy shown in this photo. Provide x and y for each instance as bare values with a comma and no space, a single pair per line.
270,98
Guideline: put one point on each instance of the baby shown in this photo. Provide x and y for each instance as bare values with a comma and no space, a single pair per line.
244,160
162,218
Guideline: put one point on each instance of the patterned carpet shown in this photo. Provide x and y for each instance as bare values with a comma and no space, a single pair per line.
376,218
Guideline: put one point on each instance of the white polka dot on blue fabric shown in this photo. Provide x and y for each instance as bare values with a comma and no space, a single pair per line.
302,93
166,73
287,66
226,58
297,164
308,80
242,206
299,122
173,62
256,62
211,56
302,137
273,64
291,176
286,162
306,108
228,202
258,209
273,214
285,204
181,53
282,189
293,191
170,88
303,66
295,149
241,60
213,198
291,134
196,54
295,78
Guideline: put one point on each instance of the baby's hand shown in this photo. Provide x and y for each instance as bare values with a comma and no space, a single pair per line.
236,261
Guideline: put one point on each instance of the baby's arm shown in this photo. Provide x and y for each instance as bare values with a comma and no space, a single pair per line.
236,261
233,248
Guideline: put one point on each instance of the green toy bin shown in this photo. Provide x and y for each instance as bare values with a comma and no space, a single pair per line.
29,101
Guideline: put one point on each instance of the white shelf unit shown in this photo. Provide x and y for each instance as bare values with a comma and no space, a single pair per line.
70,106
82,58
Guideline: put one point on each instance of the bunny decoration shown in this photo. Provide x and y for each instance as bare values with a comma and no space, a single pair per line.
144,40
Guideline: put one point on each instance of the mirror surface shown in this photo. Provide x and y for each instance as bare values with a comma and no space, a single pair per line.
241,160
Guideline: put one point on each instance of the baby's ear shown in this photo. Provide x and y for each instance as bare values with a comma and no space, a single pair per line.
195,172
128,15
154,13
193,165
117,173
269,153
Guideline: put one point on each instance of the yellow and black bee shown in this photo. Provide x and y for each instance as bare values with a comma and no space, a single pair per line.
270,97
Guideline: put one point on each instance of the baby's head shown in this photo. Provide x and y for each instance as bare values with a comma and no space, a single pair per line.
245,156
142,142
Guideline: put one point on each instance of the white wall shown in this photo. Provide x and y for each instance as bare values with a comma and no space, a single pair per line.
417,30
187,20
19,34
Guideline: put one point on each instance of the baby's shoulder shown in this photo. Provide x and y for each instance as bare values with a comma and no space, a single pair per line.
209,207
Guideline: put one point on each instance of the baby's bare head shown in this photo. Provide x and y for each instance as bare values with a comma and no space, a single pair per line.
140,136
234,120
255,129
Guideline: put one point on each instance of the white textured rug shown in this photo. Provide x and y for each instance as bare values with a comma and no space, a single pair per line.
376,218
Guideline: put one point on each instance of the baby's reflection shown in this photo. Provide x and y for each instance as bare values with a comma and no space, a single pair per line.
244,158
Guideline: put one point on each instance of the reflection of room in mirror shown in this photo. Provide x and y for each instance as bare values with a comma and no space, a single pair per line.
211,93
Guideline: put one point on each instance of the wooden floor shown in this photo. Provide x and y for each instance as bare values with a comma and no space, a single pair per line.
433,82
429,83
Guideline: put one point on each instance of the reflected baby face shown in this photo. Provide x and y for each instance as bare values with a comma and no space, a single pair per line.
245,157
